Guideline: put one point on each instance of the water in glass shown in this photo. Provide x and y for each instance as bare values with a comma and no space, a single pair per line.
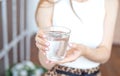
58,42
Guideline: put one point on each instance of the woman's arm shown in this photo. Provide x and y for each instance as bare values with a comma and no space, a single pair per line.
43,19
102,53
44,14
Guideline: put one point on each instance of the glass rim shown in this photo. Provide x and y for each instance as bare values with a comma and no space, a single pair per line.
66,30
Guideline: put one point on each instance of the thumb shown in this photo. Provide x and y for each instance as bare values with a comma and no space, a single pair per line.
72,45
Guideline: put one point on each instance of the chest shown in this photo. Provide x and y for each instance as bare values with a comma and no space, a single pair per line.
87,31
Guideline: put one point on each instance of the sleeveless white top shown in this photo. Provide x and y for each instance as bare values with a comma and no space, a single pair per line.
88,32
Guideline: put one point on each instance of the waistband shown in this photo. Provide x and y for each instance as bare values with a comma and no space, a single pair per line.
75,71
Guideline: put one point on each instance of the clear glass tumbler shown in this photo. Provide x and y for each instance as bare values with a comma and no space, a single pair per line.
58,38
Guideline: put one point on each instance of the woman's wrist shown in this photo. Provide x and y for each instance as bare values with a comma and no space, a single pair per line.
83,49
79,47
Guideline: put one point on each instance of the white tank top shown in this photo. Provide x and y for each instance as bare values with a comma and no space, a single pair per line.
89,32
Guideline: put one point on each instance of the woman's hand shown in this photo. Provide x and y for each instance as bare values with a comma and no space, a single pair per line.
41,41
75,51
42,44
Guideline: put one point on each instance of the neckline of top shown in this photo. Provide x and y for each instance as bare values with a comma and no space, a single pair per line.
87,1
82,1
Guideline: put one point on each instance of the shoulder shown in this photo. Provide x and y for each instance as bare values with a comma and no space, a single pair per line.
109,4
111,7
46,3
44,12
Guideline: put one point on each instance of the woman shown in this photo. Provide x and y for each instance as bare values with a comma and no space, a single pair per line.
92,24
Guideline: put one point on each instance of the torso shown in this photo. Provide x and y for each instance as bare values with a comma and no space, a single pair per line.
88,32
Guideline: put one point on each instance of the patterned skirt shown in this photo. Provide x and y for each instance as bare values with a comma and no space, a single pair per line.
67,71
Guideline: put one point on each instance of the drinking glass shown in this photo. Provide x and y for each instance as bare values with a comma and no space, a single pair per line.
58,38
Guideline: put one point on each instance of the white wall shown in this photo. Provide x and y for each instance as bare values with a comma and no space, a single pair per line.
31,8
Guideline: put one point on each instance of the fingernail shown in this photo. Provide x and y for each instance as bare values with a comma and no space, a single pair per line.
47,62
70,44
51,62
44,36
44,53
47,43
46,49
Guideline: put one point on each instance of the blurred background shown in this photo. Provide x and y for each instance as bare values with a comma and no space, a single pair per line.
17,32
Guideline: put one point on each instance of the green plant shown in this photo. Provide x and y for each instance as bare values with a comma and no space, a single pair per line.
26,68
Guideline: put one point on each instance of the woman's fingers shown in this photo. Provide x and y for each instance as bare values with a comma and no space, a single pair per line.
82,48
41,47
73,45
41,41
71,55
41,34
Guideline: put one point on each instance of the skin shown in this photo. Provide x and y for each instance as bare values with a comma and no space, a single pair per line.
100,54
